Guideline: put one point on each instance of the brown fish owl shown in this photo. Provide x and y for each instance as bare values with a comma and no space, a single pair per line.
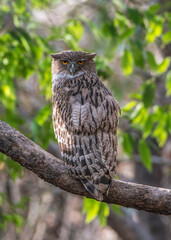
85,119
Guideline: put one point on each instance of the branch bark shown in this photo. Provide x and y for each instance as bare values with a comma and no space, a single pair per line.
46,166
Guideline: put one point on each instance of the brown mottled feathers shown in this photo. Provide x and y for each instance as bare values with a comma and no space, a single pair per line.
85,118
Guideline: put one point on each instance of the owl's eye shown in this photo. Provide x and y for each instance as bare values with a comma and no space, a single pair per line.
80,62
65,62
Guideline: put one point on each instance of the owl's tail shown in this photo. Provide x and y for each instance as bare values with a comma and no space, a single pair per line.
94,188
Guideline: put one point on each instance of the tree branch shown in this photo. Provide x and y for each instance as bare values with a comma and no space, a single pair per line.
46,166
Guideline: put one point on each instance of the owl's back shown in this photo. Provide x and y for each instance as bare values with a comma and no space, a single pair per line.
85,118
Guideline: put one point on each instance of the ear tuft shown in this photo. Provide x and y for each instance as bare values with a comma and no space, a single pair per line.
55,55
91,55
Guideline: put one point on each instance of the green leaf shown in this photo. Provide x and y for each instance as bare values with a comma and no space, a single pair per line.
103,213
108,29
138,55
34,128
136,95
151,60
168,84
136,111
17,220
163,66
127,62
158,68
140,118
148,125
20,6
148,93
135,16
168,122
168,16
14,218
161,132
145,154
43,114
127,143
166,37
129,106
8,94
160,135
121,21
154,8
154,29
102,67
73,33
91,207
7,217
126,34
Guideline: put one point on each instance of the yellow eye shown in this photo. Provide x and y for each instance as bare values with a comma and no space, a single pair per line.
65,62
80,62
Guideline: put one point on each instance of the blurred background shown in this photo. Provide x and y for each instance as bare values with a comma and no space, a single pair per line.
132,39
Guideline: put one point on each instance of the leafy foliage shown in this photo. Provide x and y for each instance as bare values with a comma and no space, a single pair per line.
11,214
145,154
168,83
119,33
93,209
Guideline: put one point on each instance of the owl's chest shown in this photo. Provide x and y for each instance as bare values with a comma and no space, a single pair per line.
75,106
61,110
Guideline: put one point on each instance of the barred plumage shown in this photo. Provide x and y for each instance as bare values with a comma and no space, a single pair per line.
85,119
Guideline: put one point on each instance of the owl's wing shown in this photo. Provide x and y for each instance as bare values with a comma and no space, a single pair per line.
88,118
93,145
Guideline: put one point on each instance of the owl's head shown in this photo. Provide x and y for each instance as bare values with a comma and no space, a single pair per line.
73,63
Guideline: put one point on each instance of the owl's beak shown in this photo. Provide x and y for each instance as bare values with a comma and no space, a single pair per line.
72,68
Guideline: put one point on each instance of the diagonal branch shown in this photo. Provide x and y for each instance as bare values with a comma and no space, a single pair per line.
46,166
